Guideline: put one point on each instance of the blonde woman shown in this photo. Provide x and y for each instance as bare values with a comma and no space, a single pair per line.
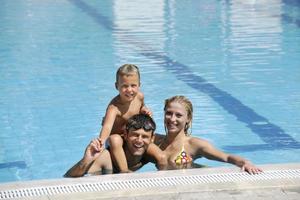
181,149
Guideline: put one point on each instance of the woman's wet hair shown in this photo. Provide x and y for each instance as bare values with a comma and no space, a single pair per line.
187,105
141,121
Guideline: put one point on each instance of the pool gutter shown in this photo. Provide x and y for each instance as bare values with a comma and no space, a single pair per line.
174,182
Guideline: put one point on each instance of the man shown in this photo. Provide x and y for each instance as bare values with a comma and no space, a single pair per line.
139,132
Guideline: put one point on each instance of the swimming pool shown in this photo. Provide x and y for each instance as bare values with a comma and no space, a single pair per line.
238,61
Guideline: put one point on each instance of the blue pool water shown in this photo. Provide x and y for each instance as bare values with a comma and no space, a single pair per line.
238,61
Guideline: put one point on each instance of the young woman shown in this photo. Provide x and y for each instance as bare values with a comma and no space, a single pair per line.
181,149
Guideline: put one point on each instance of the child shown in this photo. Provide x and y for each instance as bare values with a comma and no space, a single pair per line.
128,102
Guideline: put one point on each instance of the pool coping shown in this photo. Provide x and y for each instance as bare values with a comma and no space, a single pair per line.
281,176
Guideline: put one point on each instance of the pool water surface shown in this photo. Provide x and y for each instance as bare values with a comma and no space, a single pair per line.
237,61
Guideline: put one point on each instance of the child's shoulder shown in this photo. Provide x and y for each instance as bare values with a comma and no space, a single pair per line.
140,95
114,104
115,99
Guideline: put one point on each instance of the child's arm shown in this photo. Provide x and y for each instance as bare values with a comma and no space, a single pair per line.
107,124
144,109
157,156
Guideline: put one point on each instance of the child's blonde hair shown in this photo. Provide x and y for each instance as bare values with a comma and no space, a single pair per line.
187,105
127,69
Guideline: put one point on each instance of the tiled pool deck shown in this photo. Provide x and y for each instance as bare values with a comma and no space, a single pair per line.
280,181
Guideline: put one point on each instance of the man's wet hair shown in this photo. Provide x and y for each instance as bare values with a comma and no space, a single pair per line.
141,121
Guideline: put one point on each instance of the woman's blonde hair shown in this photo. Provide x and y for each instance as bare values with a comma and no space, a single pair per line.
187,105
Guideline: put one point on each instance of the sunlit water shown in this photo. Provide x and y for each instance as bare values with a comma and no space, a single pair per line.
238,62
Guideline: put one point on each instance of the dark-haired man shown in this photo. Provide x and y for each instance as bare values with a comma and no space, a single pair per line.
139,132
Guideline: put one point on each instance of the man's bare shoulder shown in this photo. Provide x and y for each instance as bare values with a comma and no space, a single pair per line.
102,164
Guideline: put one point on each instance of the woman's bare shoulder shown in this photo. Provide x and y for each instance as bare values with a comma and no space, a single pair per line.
197,142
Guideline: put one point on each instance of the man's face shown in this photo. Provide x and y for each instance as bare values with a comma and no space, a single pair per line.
138,141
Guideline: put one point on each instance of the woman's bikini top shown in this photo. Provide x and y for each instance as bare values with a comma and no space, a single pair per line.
183,158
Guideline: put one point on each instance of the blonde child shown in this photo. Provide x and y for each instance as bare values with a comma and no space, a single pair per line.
128,102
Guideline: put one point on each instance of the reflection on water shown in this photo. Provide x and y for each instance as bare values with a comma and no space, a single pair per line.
254,35
138,29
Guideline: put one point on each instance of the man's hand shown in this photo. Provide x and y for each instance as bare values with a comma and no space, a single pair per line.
93,149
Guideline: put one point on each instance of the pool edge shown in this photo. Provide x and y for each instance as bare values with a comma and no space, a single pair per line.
213,184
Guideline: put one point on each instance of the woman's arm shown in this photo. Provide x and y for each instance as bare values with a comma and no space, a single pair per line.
244,164
207,150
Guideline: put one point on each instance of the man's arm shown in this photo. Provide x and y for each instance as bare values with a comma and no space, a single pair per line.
92,152
79,169
102,164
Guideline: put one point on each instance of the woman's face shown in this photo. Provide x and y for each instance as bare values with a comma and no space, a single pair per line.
175,117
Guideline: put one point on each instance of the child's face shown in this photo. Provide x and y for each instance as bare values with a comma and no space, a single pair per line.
128,86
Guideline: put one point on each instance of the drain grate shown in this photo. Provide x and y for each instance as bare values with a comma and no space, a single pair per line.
147,183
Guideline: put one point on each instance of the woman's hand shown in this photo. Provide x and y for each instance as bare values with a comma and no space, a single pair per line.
250,168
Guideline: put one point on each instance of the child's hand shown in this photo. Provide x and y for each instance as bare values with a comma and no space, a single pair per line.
145,110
